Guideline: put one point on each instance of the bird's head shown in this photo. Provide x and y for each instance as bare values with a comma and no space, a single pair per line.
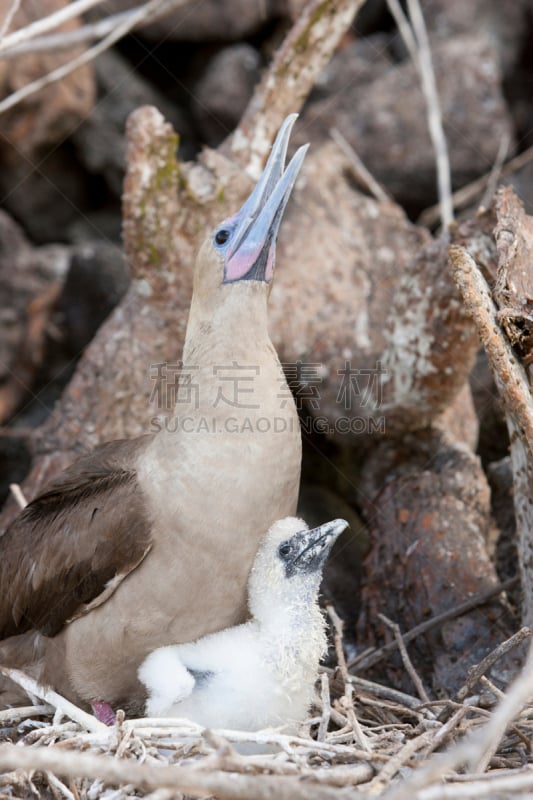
240,252
289,563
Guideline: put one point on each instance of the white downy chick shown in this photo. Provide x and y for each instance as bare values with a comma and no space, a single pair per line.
262,673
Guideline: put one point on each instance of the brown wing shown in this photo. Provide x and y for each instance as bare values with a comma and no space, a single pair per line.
84,531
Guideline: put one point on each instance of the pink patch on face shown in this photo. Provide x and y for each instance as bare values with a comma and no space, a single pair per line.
242,262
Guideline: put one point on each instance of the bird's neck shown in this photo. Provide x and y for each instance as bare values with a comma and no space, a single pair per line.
288,618
234,329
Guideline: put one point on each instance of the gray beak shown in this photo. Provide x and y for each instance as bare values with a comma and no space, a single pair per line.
307,551
251,246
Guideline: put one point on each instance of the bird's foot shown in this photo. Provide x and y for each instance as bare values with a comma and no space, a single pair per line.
103,712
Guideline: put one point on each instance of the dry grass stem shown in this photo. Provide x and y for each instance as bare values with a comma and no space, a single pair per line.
373,656
18,494
67,40
416,40
476,672
142,14
289,78
496,171
8,19
408,664
40,26
360,173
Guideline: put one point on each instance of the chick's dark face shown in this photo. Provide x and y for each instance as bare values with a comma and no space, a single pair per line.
305,552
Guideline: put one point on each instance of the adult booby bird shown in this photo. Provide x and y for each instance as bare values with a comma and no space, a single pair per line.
150,541
261,673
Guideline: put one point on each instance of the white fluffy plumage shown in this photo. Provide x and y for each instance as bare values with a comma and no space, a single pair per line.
262,673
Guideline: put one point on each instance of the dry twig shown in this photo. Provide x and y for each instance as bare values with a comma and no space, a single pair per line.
476,672
290,77
67,708
417,42
373,656
514,390
67,40
408,664
467,194
70,11
8,19
142,14
361,174
348,688
18,495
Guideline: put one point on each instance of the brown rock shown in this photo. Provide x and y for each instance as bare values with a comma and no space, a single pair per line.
48,198
210,20
25,272
504,24
354,311
48,117
391,136
459,420
99,140
427,504
221,95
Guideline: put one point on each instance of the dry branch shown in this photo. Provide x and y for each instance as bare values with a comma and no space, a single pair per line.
417,42
290,77
87,56
8,19
67,40
70,11
468,194
514,390
376,654
226,786
53,698
361,174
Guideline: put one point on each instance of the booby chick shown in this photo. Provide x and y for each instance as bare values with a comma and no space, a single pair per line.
262,673
150,541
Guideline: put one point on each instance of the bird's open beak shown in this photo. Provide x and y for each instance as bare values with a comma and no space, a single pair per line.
251,253
312,547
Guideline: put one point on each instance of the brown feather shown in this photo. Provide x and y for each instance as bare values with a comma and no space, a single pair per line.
71,541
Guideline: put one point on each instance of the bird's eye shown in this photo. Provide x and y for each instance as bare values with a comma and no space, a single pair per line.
222,236
284,550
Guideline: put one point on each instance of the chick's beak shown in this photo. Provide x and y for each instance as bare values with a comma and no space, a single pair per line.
311,548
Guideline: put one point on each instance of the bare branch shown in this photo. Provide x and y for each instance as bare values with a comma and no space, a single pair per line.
18,494
496,171
291,75
67,708
473,751
377,654
476,672
70,11
362,175
89,55
408,664
67,40
232,786
514,390
417,43
467,194
8,19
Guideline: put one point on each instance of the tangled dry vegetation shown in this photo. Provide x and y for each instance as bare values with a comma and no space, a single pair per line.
363,737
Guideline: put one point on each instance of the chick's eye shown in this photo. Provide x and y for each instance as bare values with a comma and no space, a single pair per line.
284,550
222,236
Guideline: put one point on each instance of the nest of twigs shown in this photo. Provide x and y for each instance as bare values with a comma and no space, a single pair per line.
361,739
